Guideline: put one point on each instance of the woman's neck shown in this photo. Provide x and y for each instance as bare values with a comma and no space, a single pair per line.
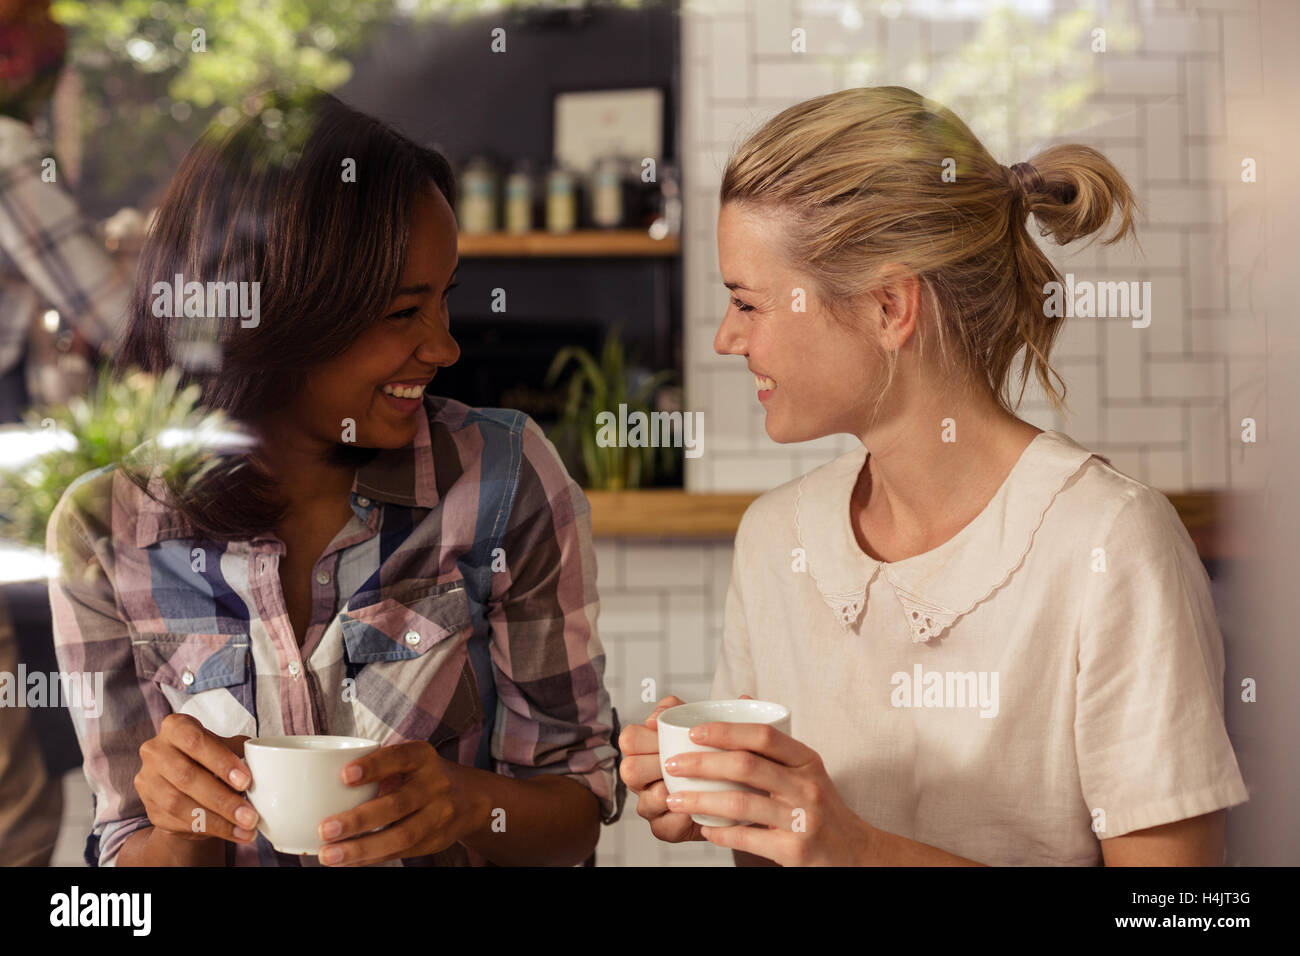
920,484
307,471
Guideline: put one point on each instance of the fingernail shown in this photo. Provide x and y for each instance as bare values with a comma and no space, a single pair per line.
671,764
674,801
331,855
240,779
352,774
698,733
330,829
242,834
246,816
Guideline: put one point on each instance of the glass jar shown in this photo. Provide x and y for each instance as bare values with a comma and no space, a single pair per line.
519,199
607,193
561,201
478,200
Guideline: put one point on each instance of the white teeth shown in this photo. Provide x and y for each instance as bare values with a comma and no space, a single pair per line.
764,384
403,391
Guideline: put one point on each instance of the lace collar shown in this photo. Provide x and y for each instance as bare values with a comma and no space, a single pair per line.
939,586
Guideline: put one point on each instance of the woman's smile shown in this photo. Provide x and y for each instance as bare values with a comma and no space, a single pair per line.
406,397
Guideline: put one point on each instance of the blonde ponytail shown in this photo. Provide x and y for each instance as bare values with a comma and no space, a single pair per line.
880,175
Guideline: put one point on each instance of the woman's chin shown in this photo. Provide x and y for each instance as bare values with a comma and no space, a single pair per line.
789,433
781,433
383,435
398,437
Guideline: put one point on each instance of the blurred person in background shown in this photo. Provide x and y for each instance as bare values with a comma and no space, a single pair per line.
48,254
48,257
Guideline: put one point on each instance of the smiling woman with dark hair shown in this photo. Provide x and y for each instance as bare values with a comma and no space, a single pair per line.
380,563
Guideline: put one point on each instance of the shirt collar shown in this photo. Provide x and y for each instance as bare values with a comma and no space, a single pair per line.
402,476
939,586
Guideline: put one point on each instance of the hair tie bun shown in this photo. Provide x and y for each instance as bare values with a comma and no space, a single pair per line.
1026,179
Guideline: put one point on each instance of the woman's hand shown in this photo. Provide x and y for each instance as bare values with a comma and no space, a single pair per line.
802,821
640,771
421,807
190,783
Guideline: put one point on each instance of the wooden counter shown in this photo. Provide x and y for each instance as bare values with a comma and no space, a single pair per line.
673,514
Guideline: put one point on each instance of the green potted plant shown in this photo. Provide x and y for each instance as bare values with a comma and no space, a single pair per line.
139,420
602,386
144,421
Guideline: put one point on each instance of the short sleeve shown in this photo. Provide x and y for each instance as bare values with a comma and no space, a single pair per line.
555,714
1150,738
734,674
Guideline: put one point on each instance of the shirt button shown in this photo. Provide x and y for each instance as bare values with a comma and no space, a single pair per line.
413,637
322,577
363,502
294,668
187,678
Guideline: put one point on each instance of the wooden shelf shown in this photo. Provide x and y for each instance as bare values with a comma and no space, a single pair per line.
666,513
579,244
673,514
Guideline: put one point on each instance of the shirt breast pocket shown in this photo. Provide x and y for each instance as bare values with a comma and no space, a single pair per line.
206,676
408,657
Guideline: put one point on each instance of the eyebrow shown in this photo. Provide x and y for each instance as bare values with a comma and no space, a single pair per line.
733,286
423,287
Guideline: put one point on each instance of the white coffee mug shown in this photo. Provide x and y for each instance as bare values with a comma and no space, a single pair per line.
675,725
297,783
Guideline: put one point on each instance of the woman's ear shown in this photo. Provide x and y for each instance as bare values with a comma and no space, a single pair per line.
897,304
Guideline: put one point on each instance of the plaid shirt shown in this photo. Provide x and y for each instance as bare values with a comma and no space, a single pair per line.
457,605
48,255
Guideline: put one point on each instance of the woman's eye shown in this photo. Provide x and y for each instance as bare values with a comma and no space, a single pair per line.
408,313
741,306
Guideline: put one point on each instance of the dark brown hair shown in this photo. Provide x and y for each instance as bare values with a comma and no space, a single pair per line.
267,201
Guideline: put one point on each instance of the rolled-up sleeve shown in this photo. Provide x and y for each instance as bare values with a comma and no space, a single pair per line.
555,715
92,642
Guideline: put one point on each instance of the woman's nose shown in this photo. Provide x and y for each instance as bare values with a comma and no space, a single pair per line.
730,339
439,348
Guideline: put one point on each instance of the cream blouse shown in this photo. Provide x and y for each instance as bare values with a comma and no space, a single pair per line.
1050,676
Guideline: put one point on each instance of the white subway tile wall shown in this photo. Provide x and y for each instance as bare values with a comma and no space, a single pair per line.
1159,115
1164,403
660,622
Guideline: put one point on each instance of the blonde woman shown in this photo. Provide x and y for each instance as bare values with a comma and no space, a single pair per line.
996,647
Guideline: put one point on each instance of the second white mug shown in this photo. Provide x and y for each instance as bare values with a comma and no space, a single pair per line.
675,725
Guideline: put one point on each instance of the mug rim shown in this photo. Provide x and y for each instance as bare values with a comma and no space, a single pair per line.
665,719
277,742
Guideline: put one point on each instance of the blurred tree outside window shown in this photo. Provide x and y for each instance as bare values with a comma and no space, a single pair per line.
149,75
